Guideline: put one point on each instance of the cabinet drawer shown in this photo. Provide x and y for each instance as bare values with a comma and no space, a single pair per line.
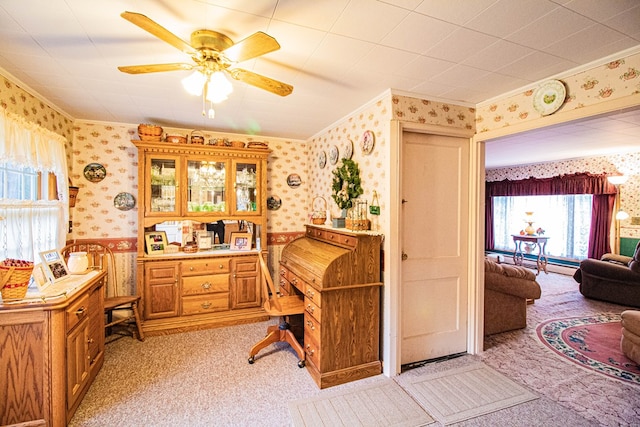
284,287
245,266
312,294
77,311
312,327
316,232
284,272
205,284
210,266
205,303
313,309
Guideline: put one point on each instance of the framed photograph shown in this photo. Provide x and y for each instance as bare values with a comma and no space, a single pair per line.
39,277
54,266
155,242
240,241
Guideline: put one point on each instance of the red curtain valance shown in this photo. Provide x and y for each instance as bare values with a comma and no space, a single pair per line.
579,183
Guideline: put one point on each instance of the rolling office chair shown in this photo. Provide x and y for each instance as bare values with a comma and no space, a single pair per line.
281,306
101,257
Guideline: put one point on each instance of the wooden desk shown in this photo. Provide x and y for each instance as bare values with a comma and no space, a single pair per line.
338,272
539,241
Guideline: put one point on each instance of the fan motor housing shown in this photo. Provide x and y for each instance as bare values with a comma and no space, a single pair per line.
208,39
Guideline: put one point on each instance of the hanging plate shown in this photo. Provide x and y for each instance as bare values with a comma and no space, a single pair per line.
347,153
333,155
273,203
549,97
95,172
367,141
322,159
124,201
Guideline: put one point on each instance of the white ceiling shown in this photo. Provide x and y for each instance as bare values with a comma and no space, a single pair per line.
338,55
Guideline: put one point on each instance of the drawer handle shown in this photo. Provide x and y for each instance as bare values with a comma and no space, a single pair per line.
90,341
309,350
310,309
221,266
310,293
206,285
191,268
80,311
283,272
206,305
311,325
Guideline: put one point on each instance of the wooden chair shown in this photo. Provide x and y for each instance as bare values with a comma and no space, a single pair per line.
281,306
101,257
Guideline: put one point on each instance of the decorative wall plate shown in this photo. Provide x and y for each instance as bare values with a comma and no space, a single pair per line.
294,180
333,155
322,159
273,203
347,153
124,201
367,141
549,97
94,172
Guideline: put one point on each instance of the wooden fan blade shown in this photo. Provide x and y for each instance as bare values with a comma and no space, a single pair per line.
255,45
158,30
262,82
154,68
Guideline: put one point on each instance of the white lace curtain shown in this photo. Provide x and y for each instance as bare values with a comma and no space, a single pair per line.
29,227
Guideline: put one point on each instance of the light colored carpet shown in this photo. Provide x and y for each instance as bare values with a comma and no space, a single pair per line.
467,392
383,403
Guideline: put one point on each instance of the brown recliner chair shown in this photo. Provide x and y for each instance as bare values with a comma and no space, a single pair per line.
506,291
612,278
630,341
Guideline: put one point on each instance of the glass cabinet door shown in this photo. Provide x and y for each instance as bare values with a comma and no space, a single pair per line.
246,191
207,186
163,194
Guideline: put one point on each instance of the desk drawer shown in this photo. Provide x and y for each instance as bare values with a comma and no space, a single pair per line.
313,294
210,266
313,309
205,304
312,327
284,287
312,350
77,311
205,284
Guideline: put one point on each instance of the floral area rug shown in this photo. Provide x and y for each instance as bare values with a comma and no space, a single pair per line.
592,342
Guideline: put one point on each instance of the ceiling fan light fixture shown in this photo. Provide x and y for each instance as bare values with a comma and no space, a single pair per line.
194,83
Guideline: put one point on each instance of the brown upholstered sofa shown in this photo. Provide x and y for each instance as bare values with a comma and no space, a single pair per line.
630,341
506,291
613,278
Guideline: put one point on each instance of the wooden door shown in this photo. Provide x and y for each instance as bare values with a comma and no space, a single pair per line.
161,290
435,231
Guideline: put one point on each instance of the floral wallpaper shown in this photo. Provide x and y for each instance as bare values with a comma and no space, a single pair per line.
618,164
17,100
615,79
423,111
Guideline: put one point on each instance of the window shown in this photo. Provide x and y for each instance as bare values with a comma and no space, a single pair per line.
565,219
30,223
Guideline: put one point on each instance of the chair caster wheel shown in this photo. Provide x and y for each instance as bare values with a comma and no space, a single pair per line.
251,360
301,364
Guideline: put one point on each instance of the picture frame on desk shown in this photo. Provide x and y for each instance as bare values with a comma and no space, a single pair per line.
39,277
55,269
155,242
240,241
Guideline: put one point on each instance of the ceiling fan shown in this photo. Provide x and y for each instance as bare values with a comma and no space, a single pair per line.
211,52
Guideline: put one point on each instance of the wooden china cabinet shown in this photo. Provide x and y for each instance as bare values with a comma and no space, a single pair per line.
199,187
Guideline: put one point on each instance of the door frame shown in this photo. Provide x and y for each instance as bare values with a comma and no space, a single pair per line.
392,275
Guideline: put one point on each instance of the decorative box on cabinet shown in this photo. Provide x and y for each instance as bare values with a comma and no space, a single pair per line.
52,347
203,184
338,271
